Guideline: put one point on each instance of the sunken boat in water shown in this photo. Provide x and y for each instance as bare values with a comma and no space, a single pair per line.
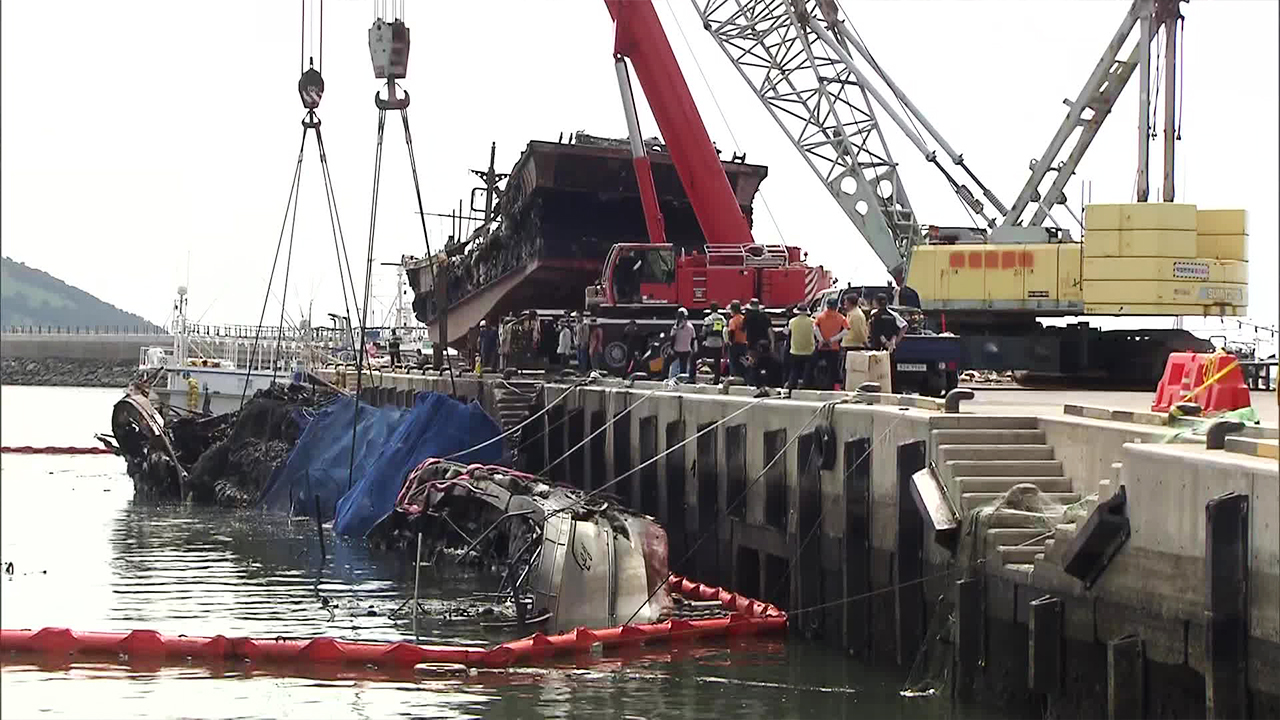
564,205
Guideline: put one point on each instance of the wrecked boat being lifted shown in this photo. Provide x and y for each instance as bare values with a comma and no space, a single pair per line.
223,460
566,558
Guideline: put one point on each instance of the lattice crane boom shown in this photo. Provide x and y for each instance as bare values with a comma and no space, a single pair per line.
823,105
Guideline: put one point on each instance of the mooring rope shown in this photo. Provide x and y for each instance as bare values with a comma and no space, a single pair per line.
716,523
526,421
609,423
659,456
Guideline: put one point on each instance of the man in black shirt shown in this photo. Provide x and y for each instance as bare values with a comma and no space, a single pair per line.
756,325
393,345
883,327
759,332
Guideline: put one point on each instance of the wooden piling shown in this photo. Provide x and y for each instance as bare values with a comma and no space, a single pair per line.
857,546
1226,571
1044,646
805,542
970,636
1125,678
909,556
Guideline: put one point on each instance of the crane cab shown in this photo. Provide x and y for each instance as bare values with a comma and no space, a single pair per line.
639,274
652,275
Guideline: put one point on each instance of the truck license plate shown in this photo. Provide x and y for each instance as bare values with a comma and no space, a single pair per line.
911,367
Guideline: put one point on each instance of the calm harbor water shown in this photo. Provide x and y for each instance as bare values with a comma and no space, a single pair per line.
85,556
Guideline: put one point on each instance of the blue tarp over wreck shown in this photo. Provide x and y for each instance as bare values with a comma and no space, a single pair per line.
319,464
437,426
390,442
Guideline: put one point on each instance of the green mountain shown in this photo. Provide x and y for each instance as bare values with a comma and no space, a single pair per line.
32,297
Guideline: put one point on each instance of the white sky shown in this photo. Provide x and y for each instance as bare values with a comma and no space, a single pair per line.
147,133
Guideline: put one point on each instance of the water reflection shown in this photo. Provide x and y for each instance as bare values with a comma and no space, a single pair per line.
87,557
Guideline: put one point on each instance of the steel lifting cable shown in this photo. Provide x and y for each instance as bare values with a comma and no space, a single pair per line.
417,189
723,118
368,276
288,262
293,187
1182,51
335,226
716,523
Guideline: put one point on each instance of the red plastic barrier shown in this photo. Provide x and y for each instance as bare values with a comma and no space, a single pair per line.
1168,392
55,450
747,617
1226,392
1214,381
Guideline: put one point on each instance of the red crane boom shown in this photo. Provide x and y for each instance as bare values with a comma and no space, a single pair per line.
639,37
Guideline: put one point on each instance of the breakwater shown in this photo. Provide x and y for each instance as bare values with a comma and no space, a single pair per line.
74,372
812,503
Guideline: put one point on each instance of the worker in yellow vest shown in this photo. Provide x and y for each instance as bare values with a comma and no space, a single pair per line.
803,343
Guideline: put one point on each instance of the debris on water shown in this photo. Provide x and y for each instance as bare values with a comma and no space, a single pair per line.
917,693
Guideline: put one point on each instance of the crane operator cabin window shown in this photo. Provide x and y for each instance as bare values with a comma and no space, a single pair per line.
658,266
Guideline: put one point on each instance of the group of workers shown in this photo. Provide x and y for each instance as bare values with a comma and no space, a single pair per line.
817,345
814,347
517,340
741,341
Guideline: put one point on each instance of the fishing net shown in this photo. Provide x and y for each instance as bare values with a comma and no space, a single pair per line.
1198,426
1022,506
249,445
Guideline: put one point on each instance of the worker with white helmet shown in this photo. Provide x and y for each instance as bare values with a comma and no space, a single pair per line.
683,339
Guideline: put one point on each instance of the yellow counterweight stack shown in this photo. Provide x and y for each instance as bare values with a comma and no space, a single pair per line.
1164,259
1043,276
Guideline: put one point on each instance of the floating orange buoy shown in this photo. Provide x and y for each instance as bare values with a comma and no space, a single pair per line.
747,616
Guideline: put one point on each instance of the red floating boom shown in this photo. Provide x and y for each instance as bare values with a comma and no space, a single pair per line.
747,617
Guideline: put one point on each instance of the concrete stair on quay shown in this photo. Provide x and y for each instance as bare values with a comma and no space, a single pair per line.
985,457
514,401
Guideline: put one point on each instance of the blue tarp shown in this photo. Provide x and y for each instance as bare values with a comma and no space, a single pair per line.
437,426
320,461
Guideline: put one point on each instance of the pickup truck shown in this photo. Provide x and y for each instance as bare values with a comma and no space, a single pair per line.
925,362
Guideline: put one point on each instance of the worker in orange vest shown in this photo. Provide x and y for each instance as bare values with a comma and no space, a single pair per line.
831,326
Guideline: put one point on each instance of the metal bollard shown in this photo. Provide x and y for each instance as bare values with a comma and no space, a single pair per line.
1215,438
952,403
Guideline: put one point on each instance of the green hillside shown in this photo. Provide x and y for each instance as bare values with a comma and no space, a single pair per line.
32,297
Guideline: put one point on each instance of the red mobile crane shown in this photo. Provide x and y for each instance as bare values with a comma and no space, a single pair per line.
644,277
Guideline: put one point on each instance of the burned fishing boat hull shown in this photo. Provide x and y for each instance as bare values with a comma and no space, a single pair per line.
567,559
222,460
564,206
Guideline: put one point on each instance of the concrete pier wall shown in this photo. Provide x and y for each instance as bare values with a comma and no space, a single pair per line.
825,533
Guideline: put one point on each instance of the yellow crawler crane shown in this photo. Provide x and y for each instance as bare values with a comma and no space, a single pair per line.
1136,259
991,285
